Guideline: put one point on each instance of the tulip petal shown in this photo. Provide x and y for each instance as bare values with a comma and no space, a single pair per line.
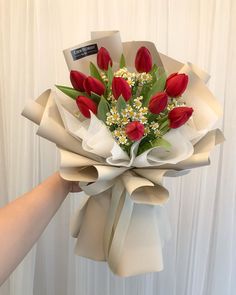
143,60
104,59
120,87
77,79
158,103
176,84
86,105
92,84
179,116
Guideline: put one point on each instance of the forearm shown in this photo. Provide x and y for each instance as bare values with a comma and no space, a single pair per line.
23,221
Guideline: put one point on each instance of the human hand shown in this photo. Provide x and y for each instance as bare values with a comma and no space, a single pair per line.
74,187
70,186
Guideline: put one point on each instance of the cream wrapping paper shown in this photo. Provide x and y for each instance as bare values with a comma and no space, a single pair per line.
122,219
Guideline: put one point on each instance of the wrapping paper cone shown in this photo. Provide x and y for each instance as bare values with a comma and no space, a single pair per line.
122,217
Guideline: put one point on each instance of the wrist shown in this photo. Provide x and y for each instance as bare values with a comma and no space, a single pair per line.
66,184
69,186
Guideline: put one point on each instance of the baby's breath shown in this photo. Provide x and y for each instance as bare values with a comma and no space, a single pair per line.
109,120
120,136
143,111
146,130
138,102
144,78
123,139
175,103
104,76
125,121
143,119
154,125
110,97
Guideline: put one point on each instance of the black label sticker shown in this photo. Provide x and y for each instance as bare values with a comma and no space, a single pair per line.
84,51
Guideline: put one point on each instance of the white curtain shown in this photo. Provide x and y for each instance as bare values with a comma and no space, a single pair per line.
200,258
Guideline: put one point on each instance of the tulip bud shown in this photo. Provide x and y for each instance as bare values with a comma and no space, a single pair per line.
134,130
143,60
103,59
77,79
92,84
86,105
158,103
179,116
176,84
121,87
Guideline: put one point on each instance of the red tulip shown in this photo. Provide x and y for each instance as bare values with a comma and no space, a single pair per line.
77,79
143,60
103,59
179,116
134,130
86,105
92,84
158,103
176,84
121,87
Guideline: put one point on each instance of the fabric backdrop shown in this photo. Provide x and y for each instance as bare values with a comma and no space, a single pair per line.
200,258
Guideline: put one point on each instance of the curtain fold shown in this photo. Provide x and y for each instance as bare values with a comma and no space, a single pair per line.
200,258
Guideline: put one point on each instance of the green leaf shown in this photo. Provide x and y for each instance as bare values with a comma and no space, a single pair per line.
152,117
145,90
95,97
144,146
94,72
103,109
121,104
158,86
122,61
164,124
154,73
161,142
109,75
154,69
157,142
71,92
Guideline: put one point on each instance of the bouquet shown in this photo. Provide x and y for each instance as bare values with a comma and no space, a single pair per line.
131,117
